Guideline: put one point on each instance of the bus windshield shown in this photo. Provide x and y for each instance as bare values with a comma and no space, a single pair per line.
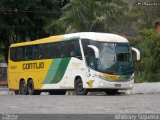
114,58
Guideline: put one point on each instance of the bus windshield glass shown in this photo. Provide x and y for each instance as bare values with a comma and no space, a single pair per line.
114,58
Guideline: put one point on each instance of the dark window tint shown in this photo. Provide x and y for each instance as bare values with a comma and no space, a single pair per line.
29,54
85,44
71,48
12,54
46,51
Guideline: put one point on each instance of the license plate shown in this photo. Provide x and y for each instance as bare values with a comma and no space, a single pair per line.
117,85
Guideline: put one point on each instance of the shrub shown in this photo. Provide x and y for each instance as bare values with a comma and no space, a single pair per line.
148,69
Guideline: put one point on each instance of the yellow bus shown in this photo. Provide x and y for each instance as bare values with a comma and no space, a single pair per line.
79,61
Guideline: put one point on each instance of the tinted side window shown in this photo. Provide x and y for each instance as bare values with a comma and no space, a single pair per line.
19,51
63,49
74,49
30,52
35,52
53,50
41,52
12,54
89,53
71,48
77,50
58,50
85,44
16,54
46,51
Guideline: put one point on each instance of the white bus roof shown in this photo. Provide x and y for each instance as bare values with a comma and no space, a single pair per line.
104,37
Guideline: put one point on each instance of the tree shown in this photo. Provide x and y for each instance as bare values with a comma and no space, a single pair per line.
89,15
145,12
149,45
24,20
62,3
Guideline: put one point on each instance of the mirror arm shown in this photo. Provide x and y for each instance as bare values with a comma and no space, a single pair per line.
96,50
137,52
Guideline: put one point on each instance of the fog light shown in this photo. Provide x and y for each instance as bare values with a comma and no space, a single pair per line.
131,85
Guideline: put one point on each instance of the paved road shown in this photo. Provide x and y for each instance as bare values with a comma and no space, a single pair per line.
71,104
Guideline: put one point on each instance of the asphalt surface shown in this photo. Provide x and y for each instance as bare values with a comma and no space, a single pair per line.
72,104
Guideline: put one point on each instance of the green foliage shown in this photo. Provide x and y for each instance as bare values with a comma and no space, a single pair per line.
157,22
151,12
149,67
23,20
90,15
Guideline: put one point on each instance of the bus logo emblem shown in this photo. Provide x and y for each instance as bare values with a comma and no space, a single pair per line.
90,83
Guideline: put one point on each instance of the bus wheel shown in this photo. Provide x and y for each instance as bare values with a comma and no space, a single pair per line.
16,92
22,88
31,90
111,92
78,86
57,92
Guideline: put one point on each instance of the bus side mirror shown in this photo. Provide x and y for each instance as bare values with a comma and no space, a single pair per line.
96,50
137,52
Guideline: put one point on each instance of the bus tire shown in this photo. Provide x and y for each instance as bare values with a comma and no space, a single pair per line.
22,88
111,92
16,92
30,88
57,92
78,87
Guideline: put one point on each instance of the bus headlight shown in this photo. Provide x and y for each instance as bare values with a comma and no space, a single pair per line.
131,85
101,84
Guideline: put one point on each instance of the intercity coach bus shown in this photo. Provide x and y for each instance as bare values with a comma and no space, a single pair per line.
82,62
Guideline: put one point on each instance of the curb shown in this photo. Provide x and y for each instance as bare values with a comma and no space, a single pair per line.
145,88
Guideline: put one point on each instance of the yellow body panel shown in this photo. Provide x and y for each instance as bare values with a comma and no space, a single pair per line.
44,40
20,70
17,71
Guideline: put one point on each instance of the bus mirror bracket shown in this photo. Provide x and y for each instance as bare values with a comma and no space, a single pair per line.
96,50
137,52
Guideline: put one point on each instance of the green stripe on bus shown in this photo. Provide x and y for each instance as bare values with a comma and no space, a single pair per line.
61,70
56,70
52,70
